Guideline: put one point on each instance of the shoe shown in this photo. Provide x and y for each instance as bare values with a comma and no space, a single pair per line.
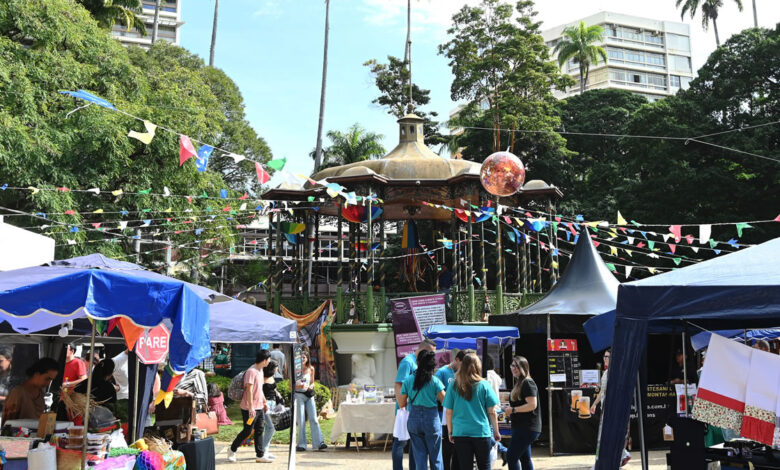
323,446
626,458
503,458
231,456
270,456
264,460
300,449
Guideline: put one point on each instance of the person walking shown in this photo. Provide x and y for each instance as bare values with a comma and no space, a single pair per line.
470,407
272,397
277,355
304,398
406,368
601,399
424,424
447,375
523,410
253,406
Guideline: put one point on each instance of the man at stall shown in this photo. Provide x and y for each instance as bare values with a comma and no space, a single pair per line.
75,369
447,375
26,401
278,356
406,368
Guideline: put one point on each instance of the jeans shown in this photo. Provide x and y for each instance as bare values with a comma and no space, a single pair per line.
306,408
469,448
425,433
268,434
448,451
518,455
398,455
257,425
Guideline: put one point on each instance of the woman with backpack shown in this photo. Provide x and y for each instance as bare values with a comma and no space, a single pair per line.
304,398
422,392
470,406
523,410
253,405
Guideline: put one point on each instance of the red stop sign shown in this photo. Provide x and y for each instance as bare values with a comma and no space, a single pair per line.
152,345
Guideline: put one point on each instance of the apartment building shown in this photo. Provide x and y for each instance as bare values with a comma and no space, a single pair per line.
168,24
648,57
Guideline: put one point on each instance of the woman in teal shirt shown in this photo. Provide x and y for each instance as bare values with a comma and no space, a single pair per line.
422,392
470,405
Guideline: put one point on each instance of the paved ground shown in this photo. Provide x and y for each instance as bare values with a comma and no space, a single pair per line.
376,459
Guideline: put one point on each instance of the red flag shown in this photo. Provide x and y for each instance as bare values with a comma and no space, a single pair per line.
675,230
63,189
189,199
672,247
262,176
186,150
70,212
245,196
777,219
689,239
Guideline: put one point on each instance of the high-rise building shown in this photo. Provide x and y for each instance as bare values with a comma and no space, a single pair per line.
648,57
168,24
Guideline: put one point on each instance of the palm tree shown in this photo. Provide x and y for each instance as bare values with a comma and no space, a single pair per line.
214,34
355,145
578,43
109,12
318,151
709,11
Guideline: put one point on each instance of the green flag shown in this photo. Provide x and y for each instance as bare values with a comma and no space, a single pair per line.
277,164
713,243
677,261
145,191
741,226
611,267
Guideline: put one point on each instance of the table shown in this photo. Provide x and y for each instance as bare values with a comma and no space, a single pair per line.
199,454
360,418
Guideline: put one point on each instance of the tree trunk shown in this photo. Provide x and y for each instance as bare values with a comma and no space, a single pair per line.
717,36
214,33
755,15
318,150
582,80
156,21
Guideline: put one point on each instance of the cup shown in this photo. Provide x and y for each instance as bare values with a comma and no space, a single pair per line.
575,399
583,410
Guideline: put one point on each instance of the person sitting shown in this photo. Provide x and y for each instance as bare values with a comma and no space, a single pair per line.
217,405
193,384
26,400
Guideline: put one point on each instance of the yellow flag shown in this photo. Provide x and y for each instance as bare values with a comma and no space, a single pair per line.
613,250
145,137
117,192
33,189
99,211
621,220
168,210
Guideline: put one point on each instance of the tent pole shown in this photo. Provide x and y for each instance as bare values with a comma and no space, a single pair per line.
549,393
685,374
135,401
89,392
640,408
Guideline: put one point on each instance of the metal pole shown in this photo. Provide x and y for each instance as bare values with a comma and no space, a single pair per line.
549,394
214,34
135,401
340,271
382,266
370,259
640,413
685,374
472,300
279,273
499,286
483,269
538,263
156,21
89,393
269,248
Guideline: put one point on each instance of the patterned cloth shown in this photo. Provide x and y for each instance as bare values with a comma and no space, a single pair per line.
315,330
761,397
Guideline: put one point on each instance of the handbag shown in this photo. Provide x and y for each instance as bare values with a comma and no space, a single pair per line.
282,420
207,421
308,393
399,428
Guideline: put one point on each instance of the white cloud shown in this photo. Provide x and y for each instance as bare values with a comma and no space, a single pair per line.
269,8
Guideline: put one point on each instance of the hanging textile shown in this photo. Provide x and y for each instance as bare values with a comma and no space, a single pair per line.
413,266
314,329
291,239
292,227
463,215
761,396
487,212
363,246
358,214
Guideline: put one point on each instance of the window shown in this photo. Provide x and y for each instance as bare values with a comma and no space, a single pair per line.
615,54
653,38
674,81
656,60
658,81
610,30
680,63
634,56
630,34
678,42
637,77
618,75
685,82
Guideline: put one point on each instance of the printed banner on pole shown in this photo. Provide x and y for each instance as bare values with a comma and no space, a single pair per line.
411,317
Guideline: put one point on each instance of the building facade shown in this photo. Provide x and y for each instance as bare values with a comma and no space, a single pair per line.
168,24
648,57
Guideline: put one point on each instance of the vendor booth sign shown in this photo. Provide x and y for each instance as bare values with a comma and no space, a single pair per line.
411,317
152,345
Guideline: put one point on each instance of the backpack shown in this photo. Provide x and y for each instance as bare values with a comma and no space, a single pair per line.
236,389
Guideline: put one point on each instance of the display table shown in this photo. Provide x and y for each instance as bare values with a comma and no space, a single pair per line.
359,418
199,454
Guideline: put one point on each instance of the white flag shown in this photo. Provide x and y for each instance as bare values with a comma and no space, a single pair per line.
704,233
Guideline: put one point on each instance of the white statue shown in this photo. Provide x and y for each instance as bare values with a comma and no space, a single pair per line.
363,369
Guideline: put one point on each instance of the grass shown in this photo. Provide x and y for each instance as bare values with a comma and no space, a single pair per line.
228,433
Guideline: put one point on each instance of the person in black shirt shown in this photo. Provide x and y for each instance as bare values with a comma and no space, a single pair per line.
523,410
104,387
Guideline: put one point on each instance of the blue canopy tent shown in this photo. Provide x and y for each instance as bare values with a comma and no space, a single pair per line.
738,290
466,336
701,340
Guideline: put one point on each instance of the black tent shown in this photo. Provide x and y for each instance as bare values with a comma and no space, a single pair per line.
585,289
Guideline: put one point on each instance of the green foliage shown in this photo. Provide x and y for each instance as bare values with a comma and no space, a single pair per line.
321,393
109,12
579,43
392,81
222,382
352,146
709,12
52,45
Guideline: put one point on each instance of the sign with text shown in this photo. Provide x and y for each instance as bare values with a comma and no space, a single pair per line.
152,345
563,362
411,317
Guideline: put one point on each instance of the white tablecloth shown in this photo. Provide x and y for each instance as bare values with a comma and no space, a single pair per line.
366,417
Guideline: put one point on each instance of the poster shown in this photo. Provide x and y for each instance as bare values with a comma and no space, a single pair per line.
563,362
411,317
682,404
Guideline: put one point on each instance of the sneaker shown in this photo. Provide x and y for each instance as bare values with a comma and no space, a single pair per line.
231,456
300,449
270,456
263,460
323,446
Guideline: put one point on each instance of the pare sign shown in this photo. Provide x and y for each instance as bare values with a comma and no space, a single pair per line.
152,345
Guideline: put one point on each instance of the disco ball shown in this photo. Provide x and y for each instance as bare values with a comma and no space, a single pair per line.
502,174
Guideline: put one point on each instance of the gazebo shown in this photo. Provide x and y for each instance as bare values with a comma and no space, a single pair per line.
410,184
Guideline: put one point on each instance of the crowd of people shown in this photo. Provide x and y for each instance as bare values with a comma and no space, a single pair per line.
469,406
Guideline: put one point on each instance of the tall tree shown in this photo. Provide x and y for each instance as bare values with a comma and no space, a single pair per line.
214,34
503,71
109,12
709,12
355,145
323,87
580,44
392,80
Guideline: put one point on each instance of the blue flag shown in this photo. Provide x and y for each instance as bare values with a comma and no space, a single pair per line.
204,152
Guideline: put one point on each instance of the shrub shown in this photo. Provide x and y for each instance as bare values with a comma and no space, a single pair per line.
321,393
222,382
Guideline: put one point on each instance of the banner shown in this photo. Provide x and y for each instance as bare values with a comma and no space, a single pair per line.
411,318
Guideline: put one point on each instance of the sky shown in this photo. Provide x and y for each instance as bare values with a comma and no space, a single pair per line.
273,50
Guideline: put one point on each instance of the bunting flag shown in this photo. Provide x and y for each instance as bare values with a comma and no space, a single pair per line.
186,150
204,153
676,230
621,220
277,164
359,214
291,239
704,233
262,175
145,137
87,96
291,227
741,226
117,192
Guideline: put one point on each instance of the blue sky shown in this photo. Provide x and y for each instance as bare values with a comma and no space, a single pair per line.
273,50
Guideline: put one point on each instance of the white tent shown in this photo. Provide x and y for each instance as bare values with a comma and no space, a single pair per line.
20,248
